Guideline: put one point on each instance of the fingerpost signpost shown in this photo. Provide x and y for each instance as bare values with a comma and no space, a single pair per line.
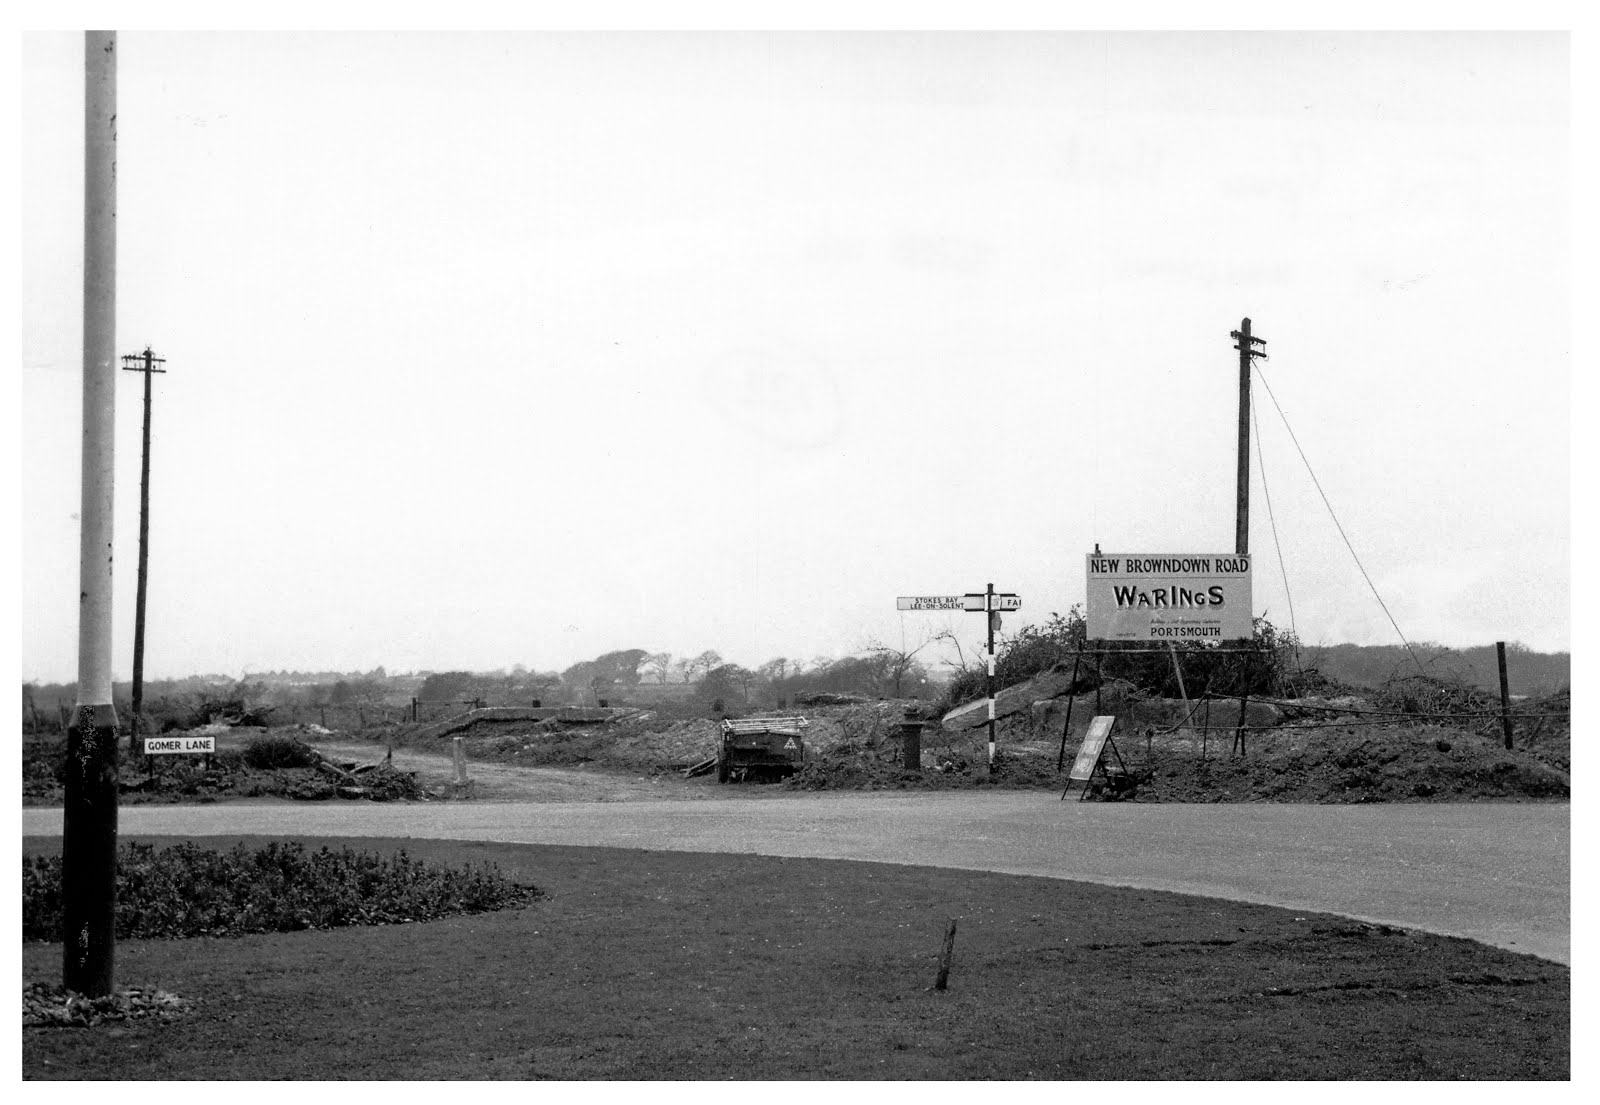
987,602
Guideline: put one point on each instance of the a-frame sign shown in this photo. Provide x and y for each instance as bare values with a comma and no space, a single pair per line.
1091,754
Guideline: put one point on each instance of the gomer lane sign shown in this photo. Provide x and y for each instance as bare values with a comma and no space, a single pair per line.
1168,596
156,746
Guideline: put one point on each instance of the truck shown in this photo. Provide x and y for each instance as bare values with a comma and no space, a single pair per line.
770,747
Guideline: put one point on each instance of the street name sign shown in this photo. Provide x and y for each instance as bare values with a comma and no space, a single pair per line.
1168,597
158,746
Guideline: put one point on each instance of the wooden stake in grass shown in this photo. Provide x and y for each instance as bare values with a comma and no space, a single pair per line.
944,956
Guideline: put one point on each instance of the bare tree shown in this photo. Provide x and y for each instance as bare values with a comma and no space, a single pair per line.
741,677
658,664
703,663
774,670
960,665
897,662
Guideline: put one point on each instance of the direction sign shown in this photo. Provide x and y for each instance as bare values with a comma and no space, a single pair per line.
157,746
1007,601
971,601
930,602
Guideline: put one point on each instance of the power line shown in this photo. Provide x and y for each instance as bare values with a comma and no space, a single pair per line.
1261,463
1339,527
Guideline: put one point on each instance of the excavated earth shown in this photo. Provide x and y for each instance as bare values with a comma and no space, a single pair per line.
1311,757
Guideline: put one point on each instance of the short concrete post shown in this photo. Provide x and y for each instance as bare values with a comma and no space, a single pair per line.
459,757
911,744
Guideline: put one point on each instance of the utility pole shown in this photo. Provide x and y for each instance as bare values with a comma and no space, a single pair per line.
131,363
89,775
1246,345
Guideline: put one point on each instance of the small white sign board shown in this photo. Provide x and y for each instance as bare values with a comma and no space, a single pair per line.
160,746
1094,742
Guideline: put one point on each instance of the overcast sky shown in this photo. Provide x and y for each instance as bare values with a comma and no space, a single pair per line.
488,349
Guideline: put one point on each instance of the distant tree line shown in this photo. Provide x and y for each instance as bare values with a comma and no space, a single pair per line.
707,682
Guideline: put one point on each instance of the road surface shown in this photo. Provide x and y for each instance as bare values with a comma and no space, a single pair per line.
1495,872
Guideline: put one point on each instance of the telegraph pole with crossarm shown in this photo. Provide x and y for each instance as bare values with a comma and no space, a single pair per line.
146,363
1246,345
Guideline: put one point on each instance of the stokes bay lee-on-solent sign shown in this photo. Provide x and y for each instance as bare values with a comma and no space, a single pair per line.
973,601
1168,596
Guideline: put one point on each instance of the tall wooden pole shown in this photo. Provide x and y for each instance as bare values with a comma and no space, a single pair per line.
1246,345
132,363
89,830
1241,529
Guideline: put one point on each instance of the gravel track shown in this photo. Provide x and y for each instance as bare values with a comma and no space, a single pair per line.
1494,872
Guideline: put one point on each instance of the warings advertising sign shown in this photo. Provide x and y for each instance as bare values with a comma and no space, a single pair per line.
1168,597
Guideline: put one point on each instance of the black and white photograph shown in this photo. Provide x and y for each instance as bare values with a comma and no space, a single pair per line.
739,549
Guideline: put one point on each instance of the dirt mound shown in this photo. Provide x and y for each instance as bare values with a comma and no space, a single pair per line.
1366,764
241,768
1293,763
638,745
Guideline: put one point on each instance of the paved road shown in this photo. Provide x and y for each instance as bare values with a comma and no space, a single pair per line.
1498,873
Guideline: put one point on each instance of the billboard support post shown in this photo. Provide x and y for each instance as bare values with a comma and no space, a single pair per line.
1244,704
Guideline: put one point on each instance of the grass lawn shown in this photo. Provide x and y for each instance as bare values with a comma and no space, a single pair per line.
667,965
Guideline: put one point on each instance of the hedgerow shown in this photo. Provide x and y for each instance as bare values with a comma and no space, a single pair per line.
186,890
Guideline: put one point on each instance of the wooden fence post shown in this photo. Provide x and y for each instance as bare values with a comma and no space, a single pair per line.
1505,692
944,955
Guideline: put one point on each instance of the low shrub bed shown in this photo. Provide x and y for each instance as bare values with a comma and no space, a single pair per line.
186,890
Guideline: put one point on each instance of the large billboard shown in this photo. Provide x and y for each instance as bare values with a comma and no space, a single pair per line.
1168,596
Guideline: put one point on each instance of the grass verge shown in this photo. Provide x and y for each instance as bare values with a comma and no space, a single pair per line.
667,965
